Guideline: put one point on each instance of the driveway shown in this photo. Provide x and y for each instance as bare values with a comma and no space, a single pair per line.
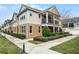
40,48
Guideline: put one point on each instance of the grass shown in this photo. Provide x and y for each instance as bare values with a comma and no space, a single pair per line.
35,42
7,47
69,47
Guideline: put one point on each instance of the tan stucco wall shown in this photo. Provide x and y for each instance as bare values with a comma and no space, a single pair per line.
34,19
35,30
19,29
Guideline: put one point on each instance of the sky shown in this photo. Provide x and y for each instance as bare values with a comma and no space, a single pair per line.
7,10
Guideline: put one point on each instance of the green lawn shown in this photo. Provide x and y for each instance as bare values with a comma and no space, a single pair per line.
7,47
69,47
35,42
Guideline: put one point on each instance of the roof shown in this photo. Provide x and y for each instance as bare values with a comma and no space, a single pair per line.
30,8
40,11
53,7
14,14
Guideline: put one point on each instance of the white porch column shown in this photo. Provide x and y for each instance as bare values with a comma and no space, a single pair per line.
53,29
58,29
46,17
54,20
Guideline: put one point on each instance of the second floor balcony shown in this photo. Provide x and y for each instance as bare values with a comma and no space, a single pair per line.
50,21
47,19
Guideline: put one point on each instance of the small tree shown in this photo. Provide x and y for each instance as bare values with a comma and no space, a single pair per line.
46,31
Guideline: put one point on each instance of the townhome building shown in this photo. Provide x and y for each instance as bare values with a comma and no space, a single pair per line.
71,25
30,21
14,23
7,26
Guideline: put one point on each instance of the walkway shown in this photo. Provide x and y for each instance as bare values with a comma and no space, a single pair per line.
40,48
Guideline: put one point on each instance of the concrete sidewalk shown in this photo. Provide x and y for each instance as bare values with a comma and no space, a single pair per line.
44,47
40,48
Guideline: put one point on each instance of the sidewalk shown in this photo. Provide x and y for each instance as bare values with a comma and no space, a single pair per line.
40,48
44,47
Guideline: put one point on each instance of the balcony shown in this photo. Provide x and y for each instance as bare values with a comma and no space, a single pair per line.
43,21
56,22
50,21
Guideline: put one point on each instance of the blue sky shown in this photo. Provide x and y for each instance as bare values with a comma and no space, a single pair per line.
6,10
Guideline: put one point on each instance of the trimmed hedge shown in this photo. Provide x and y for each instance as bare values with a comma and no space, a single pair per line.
46,32
20,36
45,39
58,33
40,38
52,34
66,32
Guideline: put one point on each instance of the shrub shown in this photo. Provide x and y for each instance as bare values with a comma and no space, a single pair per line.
20,36
66,32
45,39
59,33
46,31
56,33
40,38
52,34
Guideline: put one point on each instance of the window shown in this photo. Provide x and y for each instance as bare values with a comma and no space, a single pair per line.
60,29
65,25
39,15
56,17
30,29
30,14
56,22
22,18
56,29
23,29
20,28
15,29
77,23
39,29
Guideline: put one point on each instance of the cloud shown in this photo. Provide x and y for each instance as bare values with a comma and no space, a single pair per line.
36,6
5,18
2,7
14,8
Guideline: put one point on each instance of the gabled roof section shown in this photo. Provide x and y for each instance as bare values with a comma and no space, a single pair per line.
14,15
53,10
24,7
